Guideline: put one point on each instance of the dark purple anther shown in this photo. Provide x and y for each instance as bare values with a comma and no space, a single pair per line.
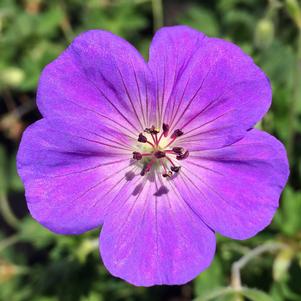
175,168
177,133
159,154
178,150
184,156
142,138
165,128
137,156
152,130
143,171
168,174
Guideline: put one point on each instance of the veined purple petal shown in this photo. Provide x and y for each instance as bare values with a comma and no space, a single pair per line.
69,178
218,92
236,189
151,236
171,50
99,79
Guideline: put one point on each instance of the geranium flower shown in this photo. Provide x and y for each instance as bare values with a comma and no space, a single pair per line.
162,153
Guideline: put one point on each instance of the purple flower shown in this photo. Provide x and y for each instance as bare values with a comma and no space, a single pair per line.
163,154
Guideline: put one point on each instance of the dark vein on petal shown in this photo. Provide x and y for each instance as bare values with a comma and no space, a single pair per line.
210,188
139,94
101,182
205,167
172,89
147,100
129,97
113,187
191,100
186,138
88,169
102,93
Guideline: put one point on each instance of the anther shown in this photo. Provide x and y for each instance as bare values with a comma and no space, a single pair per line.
137,156
159,154
152,130
178,150
177,133
168,174
165,128
184,156
143,171
142,138
175,168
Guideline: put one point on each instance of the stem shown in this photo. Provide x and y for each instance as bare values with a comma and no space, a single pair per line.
293,110
7,213
8,242
243,261
170,142
151,144
157,14
164,167
160,138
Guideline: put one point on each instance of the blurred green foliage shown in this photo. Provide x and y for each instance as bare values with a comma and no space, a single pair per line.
37,265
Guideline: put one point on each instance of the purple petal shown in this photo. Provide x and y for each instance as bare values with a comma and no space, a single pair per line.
69,178
170,53
99,79
215,95
236,189
151,236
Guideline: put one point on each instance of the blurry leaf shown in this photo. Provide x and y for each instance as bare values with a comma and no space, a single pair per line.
294,10
3,176
240,23
217,293
92,297
201,19
288,217
86,247
225,5
278,62
31,231
255,295
210,279
282,263
15,183
49,21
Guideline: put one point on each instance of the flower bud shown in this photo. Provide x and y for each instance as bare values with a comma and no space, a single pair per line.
264,33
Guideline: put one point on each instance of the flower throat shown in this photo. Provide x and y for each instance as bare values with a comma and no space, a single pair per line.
160,155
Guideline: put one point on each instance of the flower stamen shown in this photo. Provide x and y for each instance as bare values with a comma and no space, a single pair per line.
158,152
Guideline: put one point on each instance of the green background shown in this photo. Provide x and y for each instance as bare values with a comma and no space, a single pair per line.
37,265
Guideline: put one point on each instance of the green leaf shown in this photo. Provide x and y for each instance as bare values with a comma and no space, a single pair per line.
255,294
210,279
201,19
3,176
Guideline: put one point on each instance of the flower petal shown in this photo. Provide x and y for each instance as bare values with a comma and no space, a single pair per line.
213,91
69,178
236,189
151,236
100,78
170,53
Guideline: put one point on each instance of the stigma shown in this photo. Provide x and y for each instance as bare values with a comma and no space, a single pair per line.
160,154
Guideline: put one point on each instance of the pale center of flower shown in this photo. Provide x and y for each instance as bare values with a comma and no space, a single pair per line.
157,151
